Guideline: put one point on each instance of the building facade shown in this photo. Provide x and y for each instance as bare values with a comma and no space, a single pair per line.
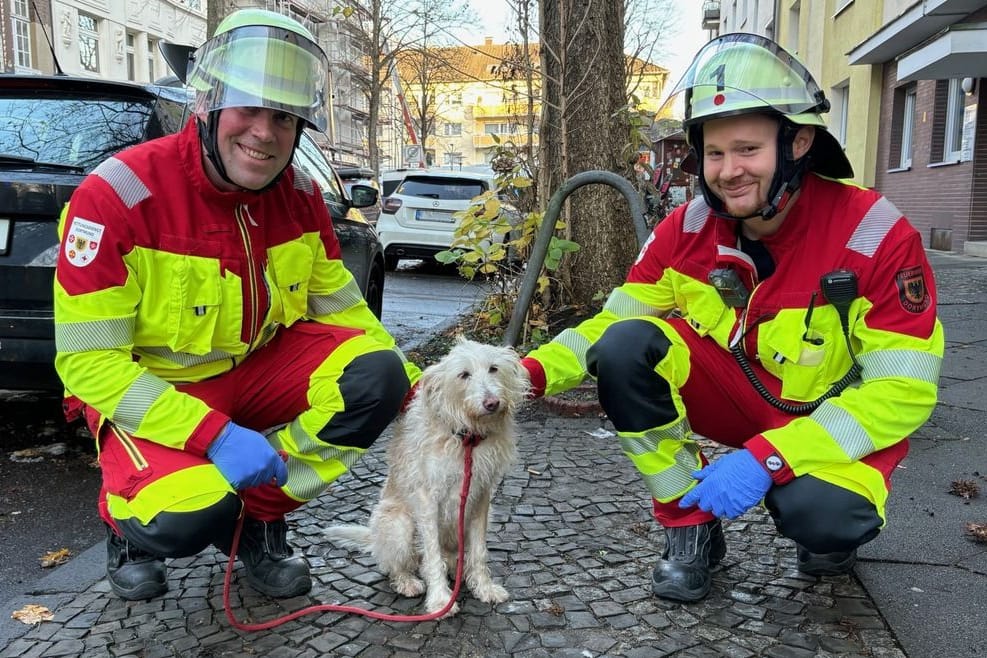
119,39
481,101
903,78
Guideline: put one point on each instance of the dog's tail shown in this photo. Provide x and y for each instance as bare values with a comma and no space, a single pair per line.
351,536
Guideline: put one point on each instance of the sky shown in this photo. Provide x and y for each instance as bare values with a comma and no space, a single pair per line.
691,36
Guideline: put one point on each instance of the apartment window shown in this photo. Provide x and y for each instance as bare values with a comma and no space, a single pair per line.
498,129
89,42
794,16
902,127
152,47
131,56
452,129
22,34
840,112
947,126
953,135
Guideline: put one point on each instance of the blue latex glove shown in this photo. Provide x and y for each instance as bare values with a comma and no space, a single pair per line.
730,486
245,458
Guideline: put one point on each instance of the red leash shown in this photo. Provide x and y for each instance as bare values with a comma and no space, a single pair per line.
469,443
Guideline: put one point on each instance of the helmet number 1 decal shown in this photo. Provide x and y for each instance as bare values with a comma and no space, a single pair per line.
718,74
719,98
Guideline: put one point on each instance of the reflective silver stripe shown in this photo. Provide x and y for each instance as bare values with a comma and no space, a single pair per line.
397,350
911,364
303,181
696,214
844,429
675,479
874,227
625,306
124,181
94,335
141,395
576,343
346,297
303,480
184,358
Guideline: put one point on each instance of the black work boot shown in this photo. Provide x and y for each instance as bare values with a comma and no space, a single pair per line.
271,568
133,574
825,564
690,552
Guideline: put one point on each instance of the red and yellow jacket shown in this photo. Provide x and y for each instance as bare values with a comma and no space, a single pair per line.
894,330
162,278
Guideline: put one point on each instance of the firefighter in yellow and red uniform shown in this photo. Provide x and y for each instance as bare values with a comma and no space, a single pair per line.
207,329
785,313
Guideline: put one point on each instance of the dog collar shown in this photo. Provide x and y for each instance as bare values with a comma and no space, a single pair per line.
469,438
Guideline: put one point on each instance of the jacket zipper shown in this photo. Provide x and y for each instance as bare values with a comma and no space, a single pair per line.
250,317
128,445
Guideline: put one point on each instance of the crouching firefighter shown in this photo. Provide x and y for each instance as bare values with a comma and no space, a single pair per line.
206,328
804,333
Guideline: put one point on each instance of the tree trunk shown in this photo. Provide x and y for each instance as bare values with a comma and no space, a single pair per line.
583,129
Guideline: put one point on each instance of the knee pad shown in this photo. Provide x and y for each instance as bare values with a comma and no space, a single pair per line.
373,387
181,534
623,361
821,516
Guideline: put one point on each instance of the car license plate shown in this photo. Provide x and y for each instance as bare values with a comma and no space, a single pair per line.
433,216
4,236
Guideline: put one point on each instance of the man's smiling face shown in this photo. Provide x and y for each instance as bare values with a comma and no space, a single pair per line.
255,145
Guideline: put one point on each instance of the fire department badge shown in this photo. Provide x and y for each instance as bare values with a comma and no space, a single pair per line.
912,293
83,241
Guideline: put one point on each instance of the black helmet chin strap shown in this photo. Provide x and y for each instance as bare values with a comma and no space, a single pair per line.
209,136
786,181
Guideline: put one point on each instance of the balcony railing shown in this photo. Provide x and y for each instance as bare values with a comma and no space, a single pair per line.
711,14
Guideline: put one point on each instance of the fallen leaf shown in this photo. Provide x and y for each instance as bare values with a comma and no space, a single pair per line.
965,489
978,531
32,614
55,558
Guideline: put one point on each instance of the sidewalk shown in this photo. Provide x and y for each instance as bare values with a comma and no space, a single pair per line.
571,536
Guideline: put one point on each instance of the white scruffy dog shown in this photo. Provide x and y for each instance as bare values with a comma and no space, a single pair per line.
472,393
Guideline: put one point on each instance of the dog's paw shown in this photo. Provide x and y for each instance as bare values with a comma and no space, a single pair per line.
491,593
407,585
432,606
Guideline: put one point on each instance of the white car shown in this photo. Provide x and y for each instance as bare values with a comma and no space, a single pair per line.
418,219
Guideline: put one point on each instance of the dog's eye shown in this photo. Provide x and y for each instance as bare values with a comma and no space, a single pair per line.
493,368
464,374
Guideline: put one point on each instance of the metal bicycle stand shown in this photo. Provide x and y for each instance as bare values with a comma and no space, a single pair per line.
547,229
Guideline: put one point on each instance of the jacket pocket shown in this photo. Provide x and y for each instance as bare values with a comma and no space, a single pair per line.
291,266
804,361
195,305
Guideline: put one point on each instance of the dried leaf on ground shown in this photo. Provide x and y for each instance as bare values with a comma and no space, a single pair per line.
978,531
32,614
965,489
55,558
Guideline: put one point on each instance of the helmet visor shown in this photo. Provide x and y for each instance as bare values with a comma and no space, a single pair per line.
262,66
738,73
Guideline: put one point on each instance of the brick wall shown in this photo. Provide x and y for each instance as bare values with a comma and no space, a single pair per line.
936,199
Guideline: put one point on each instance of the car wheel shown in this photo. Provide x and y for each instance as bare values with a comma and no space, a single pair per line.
390,263
375,289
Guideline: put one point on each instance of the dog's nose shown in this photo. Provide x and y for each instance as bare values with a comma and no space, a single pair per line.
491,404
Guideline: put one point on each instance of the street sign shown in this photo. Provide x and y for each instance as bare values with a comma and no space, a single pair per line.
413,153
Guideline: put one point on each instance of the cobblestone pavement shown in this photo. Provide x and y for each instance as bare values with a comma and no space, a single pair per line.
571,537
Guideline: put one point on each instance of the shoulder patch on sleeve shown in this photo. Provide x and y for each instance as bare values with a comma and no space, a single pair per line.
912,293
82,241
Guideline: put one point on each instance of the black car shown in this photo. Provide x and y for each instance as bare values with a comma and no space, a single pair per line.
54,130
